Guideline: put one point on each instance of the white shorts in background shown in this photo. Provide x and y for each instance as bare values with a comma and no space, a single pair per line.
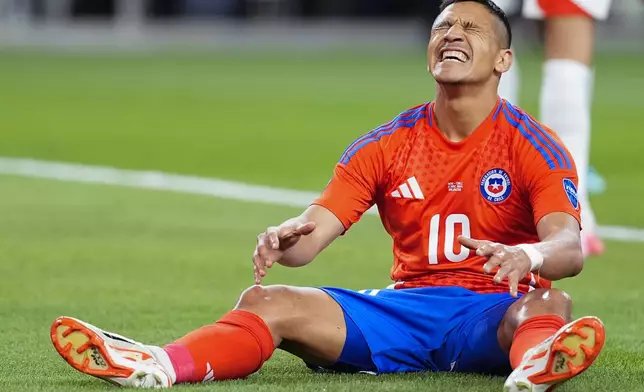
540,9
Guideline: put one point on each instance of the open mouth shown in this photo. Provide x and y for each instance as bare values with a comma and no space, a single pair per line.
453,55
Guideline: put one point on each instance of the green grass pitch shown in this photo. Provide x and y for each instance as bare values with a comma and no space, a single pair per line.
153,265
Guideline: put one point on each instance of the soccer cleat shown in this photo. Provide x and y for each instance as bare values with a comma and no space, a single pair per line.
559,358
108,356
591,245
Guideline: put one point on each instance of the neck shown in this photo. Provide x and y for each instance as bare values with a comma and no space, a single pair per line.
460,109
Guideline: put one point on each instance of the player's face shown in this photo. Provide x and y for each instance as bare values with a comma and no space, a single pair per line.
464,46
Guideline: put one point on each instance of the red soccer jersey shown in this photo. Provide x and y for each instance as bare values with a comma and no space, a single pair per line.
495,185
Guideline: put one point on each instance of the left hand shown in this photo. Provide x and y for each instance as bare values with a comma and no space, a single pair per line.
513,262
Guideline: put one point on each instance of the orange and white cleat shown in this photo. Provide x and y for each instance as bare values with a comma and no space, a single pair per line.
559,358
111,357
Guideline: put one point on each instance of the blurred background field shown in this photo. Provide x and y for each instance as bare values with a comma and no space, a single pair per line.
259,96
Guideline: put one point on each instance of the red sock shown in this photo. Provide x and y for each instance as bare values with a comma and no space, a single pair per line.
532,332
234,347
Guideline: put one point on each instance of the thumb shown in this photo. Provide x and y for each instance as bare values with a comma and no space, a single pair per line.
306,228
294,229
470,243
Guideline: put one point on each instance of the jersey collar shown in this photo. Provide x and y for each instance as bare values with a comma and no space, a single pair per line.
473,140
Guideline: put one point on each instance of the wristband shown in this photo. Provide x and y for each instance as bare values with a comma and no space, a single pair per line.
536,258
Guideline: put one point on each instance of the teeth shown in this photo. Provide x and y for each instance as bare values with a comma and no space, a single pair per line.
456,54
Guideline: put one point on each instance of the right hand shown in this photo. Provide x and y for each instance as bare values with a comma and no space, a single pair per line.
272,243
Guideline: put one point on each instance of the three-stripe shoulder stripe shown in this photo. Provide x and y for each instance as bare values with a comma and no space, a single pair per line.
532,123
551,150
497,111
521,127
406,119
430,110
560,153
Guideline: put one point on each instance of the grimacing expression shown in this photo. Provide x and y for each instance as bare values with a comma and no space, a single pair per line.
466,45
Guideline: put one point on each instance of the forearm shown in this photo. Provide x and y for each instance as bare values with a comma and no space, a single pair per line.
562,255
304,251
327,229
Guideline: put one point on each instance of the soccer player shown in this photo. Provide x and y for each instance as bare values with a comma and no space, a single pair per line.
567,83
481,202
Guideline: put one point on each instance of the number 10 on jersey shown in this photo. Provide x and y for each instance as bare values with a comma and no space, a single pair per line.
448,230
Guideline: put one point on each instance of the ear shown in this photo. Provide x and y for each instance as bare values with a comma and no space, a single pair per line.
504,60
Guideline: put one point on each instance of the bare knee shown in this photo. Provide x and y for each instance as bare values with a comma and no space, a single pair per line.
298,315
540,302
536,303
279,306
265,299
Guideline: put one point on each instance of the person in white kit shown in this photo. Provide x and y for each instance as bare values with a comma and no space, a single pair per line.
567,83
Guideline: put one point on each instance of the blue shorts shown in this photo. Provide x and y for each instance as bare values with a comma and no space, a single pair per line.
424,329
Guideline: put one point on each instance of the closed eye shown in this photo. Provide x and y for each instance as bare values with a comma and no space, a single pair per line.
443,26
469,25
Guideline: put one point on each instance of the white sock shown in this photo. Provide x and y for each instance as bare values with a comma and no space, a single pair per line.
566,93
510,84
164,360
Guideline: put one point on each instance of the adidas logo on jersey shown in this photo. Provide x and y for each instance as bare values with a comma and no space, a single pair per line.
409,190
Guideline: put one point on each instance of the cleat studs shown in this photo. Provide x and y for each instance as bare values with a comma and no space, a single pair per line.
574,369
67,348
84,347
579,332
564,349
587,350
67,332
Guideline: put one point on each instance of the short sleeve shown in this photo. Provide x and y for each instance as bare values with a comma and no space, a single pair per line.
555,192
353,187
550,175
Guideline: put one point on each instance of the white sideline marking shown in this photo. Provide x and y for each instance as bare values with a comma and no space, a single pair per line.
154,180
204,186
621,233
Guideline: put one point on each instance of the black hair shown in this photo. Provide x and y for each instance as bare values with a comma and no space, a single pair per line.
493,8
